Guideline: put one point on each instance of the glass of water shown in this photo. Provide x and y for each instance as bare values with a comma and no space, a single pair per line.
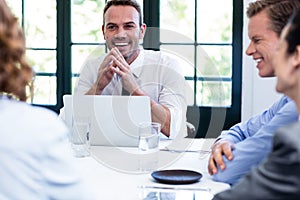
148,146
149,136
80,138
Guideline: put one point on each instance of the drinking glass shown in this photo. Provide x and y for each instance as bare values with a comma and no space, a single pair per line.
80,138
149,136
148,146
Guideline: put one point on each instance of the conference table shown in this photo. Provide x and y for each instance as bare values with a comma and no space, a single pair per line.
116,173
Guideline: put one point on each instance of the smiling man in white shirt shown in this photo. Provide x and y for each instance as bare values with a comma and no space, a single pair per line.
127,67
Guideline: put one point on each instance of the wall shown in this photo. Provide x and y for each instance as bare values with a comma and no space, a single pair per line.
257,93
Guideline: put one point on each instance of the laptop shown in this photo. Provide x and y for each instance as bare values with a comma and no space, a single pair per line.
113,119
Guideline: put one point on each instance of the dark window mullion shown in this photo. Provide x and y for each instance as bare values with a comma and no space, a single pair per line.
151,18
64,71
23,11
233,114
195,53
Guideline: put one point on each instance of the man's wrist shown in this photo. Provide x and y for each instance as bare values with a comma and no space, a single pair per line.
94,90
138,92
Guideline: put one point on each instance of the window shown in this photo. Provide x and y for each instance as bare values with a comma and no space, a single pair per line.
208,38
61,34
38,19
205,41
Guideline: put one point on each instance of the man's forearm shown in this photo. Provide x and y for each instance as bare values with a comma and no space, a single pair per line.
159,113
162,115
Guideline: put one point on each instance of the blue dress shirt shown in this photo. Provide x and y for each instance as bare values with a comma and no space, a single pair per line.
253,139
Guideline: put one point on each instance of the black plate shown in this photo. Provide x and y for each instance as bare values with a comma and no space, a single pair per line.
176,176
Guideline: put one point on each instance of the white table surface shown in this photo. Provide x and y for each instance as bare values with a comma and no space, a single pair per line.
112,173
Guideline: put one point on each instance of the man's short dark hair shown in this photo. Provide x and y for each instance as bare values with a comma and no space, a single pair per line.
132,3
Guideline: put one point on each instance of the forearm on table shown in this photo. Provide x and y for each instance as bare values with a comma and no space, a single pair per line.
246,154
232,173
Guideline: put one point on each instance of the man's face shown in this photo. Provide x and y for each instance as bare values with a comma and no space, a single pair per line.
284,65
121,29
263,43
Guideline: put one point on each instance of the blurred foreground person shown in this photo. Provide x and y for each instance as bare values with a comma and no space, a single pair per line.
36,160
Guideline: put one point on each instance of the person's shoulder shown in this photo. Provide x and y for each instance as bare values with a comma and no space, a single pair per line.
151,56
283,100
165,59
35,110
25,111
286,105
283,106
292,129
32,122
159,54
39,116
148,52
290,135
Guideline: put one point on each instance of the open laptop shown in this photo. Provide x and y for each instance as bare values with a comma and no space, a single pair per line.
114,119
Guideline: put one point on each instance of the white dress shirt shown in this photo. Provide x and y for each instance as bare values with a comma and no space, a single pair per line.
157,73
